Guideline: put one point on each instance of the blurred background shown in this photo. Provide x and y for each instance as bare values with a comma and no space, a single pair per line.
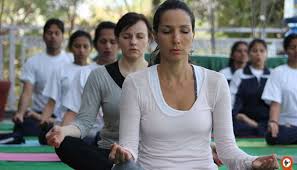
219,23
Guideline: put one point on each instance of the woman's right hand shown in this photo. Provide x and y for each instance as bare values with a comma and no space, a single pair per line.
244,118
118,154
273,127
55,136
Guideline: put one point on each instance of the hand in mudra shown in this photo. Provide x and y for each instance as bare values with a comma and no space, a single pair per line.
265,163
118,154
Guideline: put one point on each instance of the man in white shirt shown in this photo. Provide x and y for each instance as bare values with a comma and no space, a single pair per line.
35,74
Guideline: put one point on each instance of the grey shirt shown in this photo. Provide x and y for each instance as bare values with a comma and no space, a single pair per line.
100,91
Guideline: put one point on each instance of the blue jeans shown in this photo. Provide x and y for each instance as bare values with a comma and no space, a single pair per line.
129,165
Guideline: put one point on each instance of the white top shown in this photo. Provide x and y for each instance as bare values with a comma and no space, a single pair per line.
235,82
72,99
281,88
58,86
256,72
161,137
37,71
227,73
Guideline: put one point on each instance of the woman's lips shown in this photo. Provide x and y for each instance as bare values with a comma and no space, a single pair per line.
175,51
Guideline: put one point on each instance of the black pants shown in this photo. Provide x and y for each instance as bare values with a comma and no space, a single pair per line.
286,136
81,156
29,127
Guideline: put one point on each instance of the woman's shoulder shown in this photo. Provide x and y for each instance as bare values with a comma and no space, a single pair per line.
96,74
225,70
97,71
211,74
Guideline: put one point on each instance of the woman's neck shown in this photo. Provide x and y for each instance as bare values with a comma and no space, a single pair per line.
103,61
292,64
180,71
129,66
238,65
257,67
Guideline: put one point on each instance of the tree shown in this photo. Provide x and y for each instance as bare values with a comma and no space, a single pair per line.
238,13
23,12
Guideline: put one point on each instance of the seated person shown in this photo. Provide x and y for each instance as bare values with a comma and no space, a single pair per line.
250,112
281,93
80,44
163,127
35,74
106,45
238,59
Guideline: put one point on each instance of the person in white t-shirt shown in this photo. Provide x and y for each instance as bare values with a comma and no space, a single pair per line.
281,93
238,59
35,74
250,112
80,44
169,110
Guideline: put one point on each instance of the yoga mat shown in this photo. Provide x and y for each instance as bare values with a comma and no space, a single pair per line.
28,143
27,149
6,165
259,142
29,157
6,125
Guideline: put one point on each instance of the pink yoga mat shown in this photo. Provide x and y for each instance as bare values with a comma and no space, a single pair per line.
30,157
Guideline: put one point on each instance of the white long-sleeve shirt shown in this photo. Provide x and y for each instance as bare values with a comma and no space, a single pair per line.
161,137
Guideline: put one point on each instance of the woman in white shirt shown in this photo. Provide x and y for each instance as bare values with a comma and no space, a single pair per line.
238,59
169,110
281,93
80,44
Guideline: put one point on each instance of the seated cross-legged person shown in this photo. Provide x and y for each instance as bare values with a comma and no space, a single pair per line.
281,93
80,44
250,112
165,128
103,90
106,45
36,73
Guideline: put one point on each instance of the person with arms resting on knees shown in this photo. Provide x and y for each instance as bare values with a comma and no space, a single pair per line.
238,59
35,75
281,93
80,44
106,45
164,127
103,89
250,112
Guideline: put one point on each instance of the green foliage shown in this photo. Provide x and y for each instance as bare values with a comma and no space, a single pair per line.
242,13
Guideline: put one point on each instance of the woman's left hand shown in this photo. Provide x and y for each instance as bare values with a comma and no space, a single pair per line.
265,163
118,154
